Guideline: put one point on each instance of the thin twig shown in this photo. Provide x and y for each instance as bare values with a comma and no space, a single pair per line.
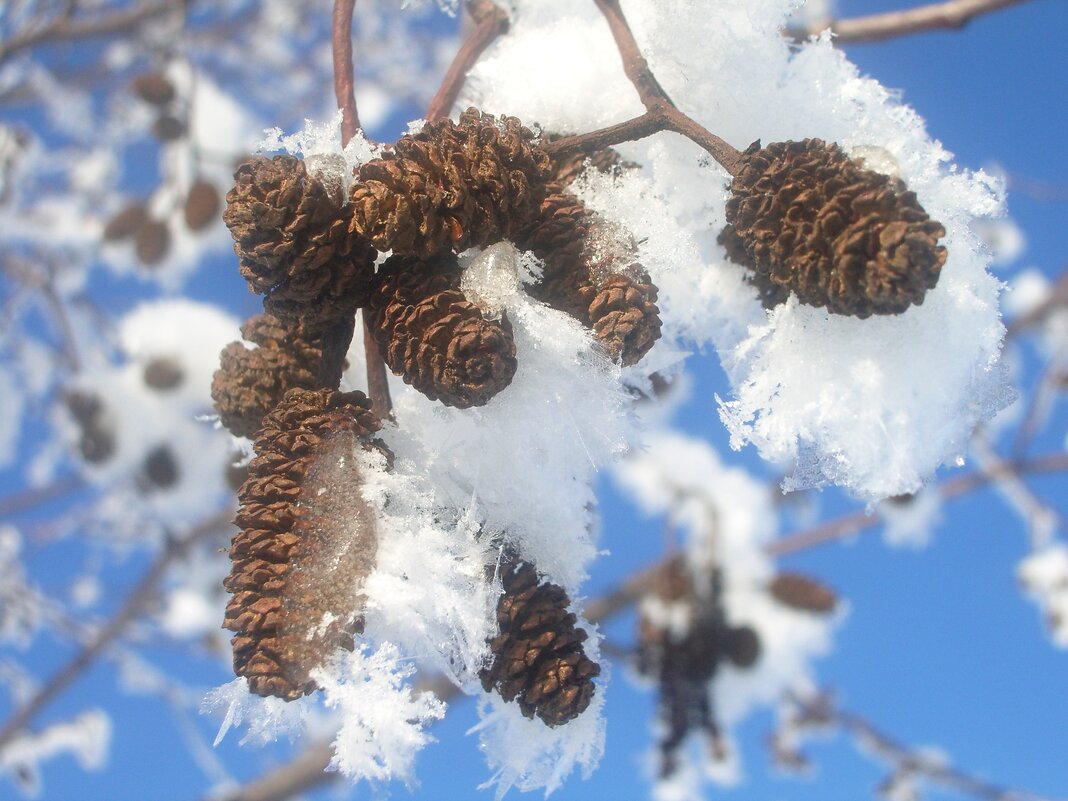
904,760
132,607
344,87
490,22
850,524
66,28
26,499
953,14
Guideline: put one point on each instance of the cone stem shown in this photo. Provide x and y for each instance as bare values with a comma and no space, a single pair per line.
490,22
344,88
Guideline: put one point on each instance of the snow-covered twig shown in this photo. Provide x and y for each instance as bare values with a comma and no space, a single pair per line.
490,22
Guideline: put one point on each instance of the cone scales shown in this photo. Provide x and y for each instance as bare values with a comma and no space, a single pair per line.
808,220
306,544
538,658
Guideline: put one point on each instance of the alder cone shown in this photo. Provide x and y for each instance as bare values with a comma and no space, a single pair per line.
201,207
807,219
452,186
538,658
591,272
250,383
291,234
434,338
285,577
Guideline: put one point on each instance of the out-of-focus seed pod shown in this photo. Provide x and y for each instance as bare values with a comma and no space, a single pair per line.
803,592
538,658
202,206
161,468
152,241
154,88
163,374
127,222
96,441
168,128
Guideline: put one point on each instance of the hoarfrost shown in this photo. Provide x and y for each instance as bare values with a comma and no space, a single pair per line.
382,720
86,737
910,520
1044,574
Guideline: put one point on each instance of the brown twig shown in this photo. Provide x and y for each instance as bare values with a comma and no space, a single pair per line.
850,524
345,92
344,88
21,501
904,760
133,606
952,14
661,114
490,22
66,28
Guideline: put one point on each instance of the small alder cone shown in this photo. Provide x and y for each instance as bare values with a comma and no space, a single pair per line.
250,383
306,544
432,336
452,186
685,658
802,592
807,219
291,234
538,658
592,274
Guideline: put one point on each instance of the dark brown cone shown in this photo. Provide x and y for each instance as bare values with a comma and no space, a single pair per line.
167,128
807,219
250,383
592,274
432,336
538,658
803,592
96,441
303,549
163,374
451,186
291,234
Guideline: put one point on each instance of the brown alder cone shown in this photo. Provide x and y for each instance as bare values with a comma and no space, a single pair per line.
250,383
201,206
803,592
291,234
305,544
538,658
807,219
684,663
591,273
452,186
432,336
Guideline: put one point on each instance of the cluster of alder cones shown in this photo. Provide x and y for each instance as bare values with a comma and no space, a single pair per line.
802,217
684,637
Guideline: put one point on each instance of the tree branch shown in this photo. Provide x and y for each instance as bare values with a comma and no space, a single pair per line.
133,606
952,14
344,86
66,28
490,22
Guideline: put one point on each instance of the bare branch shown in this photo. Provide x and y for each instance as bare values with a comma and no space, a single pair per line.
134,604
952,14
66,28
491,22
821,710
344,88
21,501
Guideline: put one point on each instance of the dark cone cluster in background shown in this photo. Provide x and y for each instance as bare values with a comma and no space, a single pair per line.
538,658
808,220
683,663
277,642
